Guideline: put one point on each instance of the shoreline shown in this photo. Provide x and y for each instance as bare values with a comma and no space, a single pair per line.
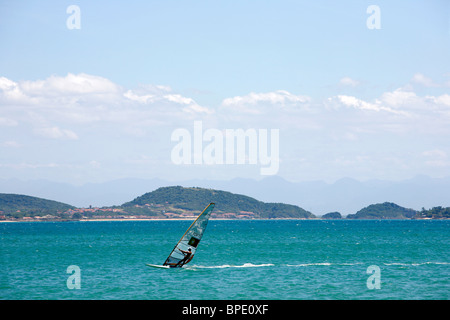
161,219
217,219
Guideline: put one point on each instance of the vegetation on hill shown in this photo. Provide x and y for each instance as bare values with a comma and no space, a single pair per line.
19,206
179,199
180,202
386,210
332,215
435,213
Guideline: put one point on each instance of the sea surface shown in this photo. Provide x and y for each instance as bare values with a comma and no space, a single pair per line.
250,259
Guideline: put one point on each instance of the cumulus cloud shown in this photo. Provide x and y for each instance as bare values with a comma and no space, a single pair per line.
260,103
72,84
280,97
353,102
400,102
49,105
10,92
164,102
105,117
441,100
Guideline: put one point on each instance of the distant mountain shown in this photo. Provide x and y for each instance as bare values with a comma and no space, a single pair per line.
386,210
177,200
18,206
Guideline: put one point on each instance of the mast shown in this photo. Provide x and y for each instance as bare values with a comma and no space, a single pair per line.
190,240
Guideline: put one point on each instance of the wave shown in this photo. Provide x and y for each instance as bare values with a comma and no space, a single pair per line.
245,265
322,264
251,265
414,264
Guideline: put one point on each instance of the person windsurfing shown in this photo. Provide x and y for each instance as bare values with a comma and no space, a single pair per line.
187,257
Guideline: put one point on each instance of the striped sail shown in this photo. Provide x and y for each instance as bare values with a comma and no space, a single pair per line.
190,240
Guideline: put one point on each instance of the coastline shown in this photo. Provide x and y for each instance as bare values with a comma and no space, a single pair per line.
162,219
217,219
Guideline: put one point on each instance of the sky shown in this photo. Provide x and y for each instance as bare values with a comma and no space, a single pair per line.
98,93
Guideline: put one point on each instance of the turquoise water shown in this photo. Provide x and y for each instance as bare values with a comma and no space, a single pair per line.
289,259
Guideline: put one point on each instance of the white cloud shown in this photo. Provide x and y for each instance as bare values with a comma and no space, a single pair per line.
423,80
145,98
47,106
11,92
353,102
57,133
138,122
427,82
347,81
399,97
262,103
356,103
79,84
280,97
442,100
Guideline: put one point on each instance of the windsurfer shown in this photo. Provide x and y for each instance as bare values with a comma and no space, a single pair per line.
186,259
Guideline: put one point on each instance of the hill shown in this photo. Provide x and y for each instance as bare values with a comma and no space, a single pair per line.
332,215
386,210
180,201
19,206
435,213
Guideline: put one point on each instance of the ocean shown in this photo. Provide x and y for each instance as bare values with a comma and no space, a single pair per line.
236,260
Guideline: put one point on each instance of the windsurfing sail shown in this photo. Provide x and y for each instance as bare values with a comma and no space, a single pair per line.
187,246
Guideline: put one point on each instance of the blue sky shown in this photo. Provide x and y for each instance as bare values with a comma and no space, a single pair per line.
309,68
226,48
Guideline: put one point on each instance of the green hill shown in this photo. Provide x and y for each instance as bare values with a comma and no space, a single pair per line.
435,213
18,206
386,210
332,215
179,200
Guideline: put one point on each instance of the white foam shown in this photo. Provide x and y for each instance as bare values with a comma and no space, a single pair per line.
245,265
322,264
414,264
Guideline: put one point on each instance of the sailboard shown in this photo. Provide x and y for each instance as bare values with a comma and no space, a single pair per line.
185,249
157,266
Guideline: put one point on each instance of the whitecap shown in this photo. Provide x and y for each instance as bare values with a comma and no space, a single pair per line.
245,265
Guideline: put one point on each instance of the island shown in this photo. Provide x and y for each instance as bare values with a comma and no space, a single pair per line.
163,203
178,202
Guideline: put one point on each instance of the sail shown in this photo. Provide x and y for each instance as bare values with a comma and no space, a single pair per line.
189,240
